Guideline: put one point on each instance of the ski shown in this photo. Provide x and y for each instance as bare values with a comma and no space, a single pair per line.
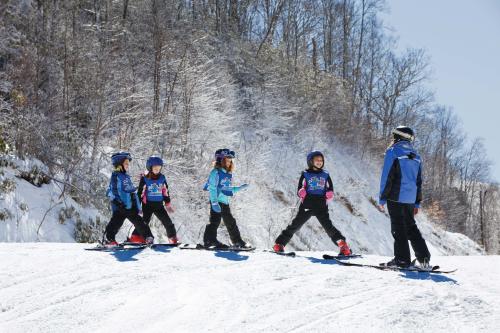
119,247
230,249
341,257
285,254
129,246
150,245
435,269
191,247
215,248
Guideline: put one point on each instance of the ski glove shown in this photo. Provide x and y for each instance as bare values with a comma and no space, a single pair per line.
302,194
216,207
329,196
169,208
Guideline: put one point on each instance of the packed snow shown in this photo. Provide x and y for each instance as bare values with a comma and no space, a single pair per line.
59,287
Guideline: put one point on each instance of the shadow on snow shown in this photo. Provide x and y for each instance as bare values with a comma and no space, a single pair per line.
229,255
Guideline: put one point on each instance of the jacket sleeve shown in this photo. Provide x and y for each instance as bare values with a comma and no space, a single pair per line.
236,189
213,181
140,189
115,185
301,184
329,186
385,180
166,198
419,187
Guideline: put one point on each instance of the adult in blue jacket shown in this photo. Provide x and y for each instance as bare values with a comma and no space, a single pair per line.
401,190
124,201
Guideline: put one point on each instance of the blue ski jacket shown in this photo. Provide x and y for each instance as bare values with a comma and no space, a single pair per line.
401,179
219,186
122,190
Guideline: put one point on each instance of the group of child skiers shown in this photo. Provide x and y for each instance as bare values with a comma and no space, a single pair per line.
400,189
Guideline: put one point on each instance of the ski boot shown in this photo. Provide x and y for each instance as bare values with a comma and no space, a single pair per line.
344,248
396,263
242,245
136,239
423,263
110,244
278,248
216,244
173,240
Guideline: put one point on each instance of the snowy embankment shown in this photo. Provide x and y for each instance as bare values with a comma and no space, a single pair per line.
40,213
54,287
33,207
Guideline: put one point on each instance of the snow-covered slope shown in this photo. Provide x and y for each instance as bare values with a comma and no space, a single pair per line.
51,287
33,208
271,203
41,214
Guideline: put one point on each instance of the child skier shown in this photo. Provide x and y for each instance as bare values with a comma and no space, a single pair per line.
220,188
401,190
124,201
153,191
315,190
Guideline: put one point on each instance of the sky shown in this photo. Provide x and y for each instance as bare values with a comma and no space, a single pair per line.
462,39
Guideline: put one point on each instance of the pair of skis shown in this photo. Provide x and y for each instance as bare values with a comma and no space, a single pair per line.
128,246
433,269
338,257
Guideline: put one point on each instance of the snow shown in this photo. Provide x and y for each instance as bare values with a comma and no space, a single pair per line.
59,287
261,214
32,213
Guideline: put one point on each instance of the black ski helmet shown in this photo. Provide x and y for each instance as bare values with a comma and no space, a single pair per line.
312,155
403,133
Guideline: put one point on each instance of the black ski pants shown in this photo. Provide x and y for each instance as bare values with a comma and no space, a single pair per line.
305,214
404,229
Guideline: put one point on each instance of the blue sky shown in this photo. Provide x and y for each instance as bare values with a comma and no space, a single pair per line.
463,40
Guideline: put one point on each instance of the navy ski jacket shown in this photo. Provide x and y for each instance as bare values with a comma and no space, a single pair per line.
316,184
154,186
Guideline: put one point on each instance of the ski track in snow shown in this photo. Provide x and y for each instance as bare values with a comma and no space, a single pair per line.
51,287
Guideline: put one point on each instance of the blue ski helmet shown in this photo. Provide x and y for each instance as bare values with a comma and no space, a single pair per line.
220,154
312,155
152,161
118,158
